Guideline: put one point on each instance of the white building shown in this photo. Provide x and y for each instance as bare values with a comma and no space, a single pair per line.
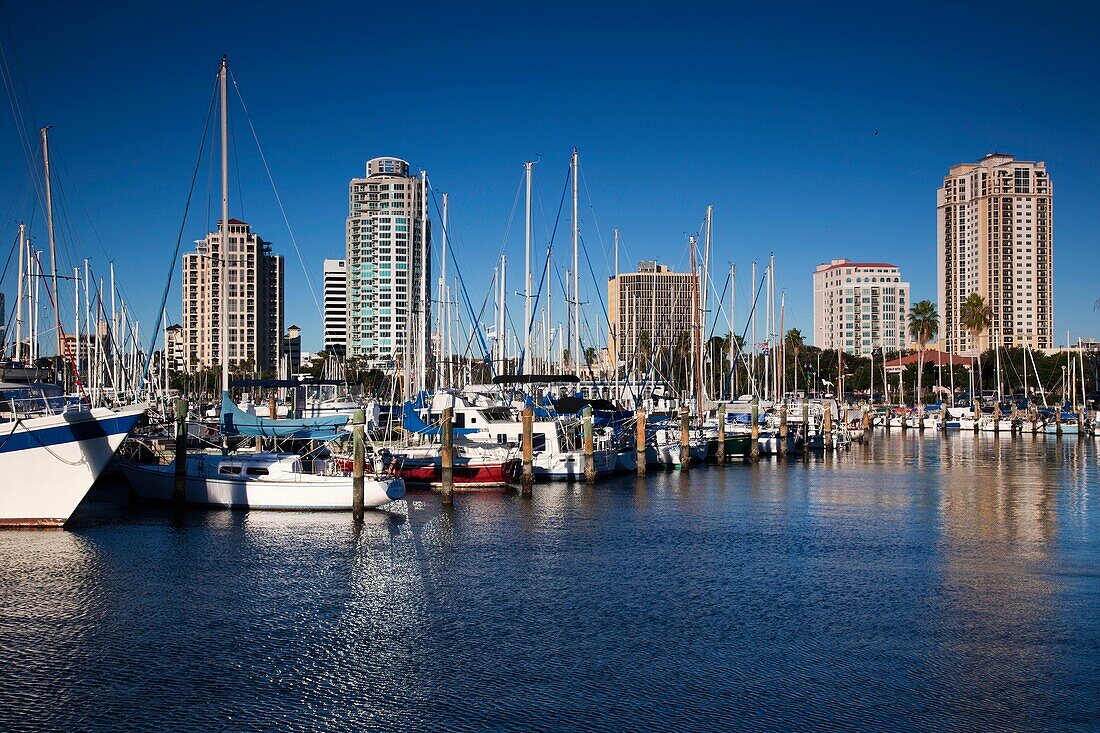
336,307
388,254
859,306
995,237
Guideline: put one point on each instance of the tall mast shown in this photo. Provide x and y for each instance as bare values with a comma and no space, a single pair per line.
422,326
704,299
502,340
223,242
49,229
753,292
576,270
19,297
732,322
782,363
527,272
615,231
442,317
697,362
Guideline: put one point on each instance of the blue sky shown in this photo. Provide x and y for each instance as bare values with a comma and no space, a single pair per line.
770,114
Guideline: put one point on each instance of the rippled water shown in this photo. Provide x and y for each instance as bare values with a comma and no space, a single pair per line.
919,583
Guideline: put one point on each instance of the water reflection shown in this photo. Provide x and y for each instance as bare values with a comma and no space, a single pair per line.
944,580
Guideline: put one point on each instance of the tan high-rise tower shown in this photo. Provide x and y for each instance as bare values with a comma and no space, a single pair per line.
994,225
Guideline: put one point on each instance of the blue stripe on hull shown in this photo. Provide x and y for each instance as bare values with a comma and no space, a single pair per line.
83,429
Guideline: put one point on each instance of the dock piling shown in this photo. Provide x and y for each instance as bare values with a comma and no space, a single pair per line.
589,448
827,426
782,430
639,439
754,449
179,488
527,479
358,465
720,455
805,429
447,456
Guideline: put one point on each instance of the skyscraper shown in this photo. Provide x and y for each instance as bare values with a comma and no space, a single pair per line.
336,307
860,306
388,264
649,311
994,228
254,299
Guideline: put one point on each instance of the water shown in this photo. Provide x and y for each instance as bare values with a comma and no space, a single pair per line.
919,583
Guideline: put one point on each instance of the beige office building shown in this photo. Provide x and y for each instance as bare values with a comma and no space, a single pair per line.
655,301
254,298
994,225
860,306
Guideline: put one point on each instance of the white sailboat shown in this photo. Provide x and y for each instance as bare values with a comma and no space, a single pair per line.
265,479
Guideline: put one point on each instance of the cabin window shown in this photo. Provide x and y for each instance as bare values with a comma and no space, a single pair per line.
230,470
257,472
538,443
502,437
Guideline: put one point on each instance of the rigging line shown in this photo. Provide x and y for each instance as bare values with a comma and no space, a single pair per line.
465,294
179,241
595,219
278,198
17,111
549,252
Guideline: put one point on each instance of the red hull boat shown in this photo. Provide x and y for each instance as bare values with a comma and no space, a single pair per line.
469,472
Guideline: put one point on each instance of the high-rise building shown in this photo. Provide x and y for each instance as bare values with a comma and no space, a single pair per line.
177,348
254,300
994,229
860,306
654,301
292,350
336,307
388,254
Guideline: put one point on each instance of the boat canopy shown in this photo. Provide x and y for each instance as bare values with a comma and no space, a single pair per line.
411,423
236,421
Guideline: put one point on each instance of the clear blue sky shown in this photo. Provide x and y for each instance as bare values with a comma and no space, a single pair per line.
769,113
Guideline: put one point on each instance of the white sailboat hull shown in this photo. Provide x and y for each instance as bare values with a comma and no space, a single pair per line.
570,465
310,492
48,464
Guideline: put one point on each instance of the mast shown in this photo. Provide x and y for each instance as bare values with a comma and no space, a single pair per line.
223,242
782,361
697,362
76,323
422,324
49,229
754,342
502,341
733,338
997,347
615,231
442,319
527,273
19,298
576,269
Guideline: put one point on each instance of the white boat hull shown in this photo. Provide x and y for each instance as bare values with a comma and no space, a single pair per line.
570,465
310,492
48,464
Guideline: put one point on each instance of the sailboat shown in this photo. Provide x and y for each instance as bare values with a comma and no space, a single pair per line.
52,449
265,479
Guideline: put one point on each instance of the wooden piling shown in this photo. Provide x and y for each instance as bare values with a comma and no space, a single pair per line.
977,415
179,487
827,426
527,479
754,448
1080,423
996,418
1058,421
720,455
589,447
685,438
782,430
639,440
272,410
358,465
447,456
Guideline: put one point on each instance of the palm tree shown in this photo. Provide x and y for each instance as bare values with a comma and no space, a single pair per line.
682,352
589,358
645,346
976,317
794,341
924,324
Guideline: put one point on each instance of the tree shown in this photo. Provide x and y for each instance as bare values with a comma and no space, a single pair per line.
975,316
794,341
924,324
589,358
682,352
645,347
